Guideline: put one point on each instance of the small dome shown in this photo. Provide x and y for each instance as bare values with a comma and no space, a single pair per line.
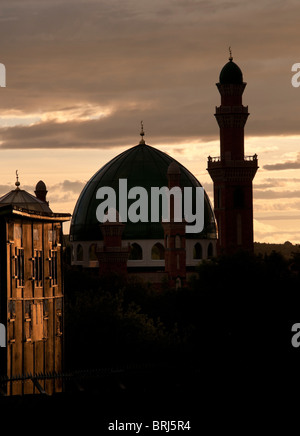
231,74
40,186
23,199
173,168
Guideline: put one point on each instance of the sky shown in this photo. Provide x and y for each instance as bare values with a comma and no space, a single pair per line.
82,74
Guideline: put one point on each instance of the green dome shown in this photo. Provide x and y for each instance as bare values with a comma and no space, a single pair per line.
141,165
231,74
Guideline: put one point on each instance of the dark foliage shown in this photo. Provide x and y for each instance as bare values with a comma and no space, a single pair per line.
235,315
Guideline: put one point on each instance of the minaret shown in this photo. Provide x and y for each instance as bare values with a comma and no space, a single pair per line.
113,255
174,234
232,172
41,191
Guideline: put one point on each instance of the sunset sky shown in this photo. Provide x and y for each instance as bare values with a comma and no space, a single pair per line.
82,74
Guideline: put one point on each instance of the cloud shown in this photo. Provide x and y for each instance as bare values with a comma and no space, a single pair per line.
265,232
292,206
66,190
287,165
83,74
157,61
64,195
68,186
270,182
271,194
85,128
5,188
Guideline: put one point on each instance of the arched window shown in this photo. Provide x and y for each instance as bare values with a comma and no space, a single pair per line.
197,252
210,251
136,252
157,252
177,241
79,253
92,252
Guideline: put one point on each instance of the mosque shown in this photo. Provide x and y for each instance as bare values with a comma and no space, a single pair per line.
152,249
146,166
31,242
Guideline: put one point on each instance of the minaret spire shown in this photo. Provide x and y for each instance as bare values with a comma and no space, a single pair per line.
142,133
17,181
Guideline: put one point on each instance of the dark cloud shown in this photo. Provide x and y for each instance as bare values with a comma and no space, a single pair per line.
156,61
65,192
5,188
287,165
100,133
62,198
73,186
268,184
69,186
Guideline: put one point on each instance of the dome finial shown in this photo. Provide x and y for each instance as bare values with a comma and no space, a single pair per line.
142,133
230,54
17,181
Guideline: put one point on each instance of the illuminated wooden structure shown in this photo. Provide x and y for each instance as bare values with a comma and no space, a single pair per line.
31,290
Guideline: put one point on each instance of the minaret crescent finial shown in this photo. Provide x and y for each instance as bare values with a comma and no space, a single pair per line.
230,54
142,133
17,181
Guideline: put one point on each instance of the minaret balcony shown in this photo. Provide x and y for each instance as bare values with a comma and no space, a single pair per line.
218,162
240,109
222,169
231,116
